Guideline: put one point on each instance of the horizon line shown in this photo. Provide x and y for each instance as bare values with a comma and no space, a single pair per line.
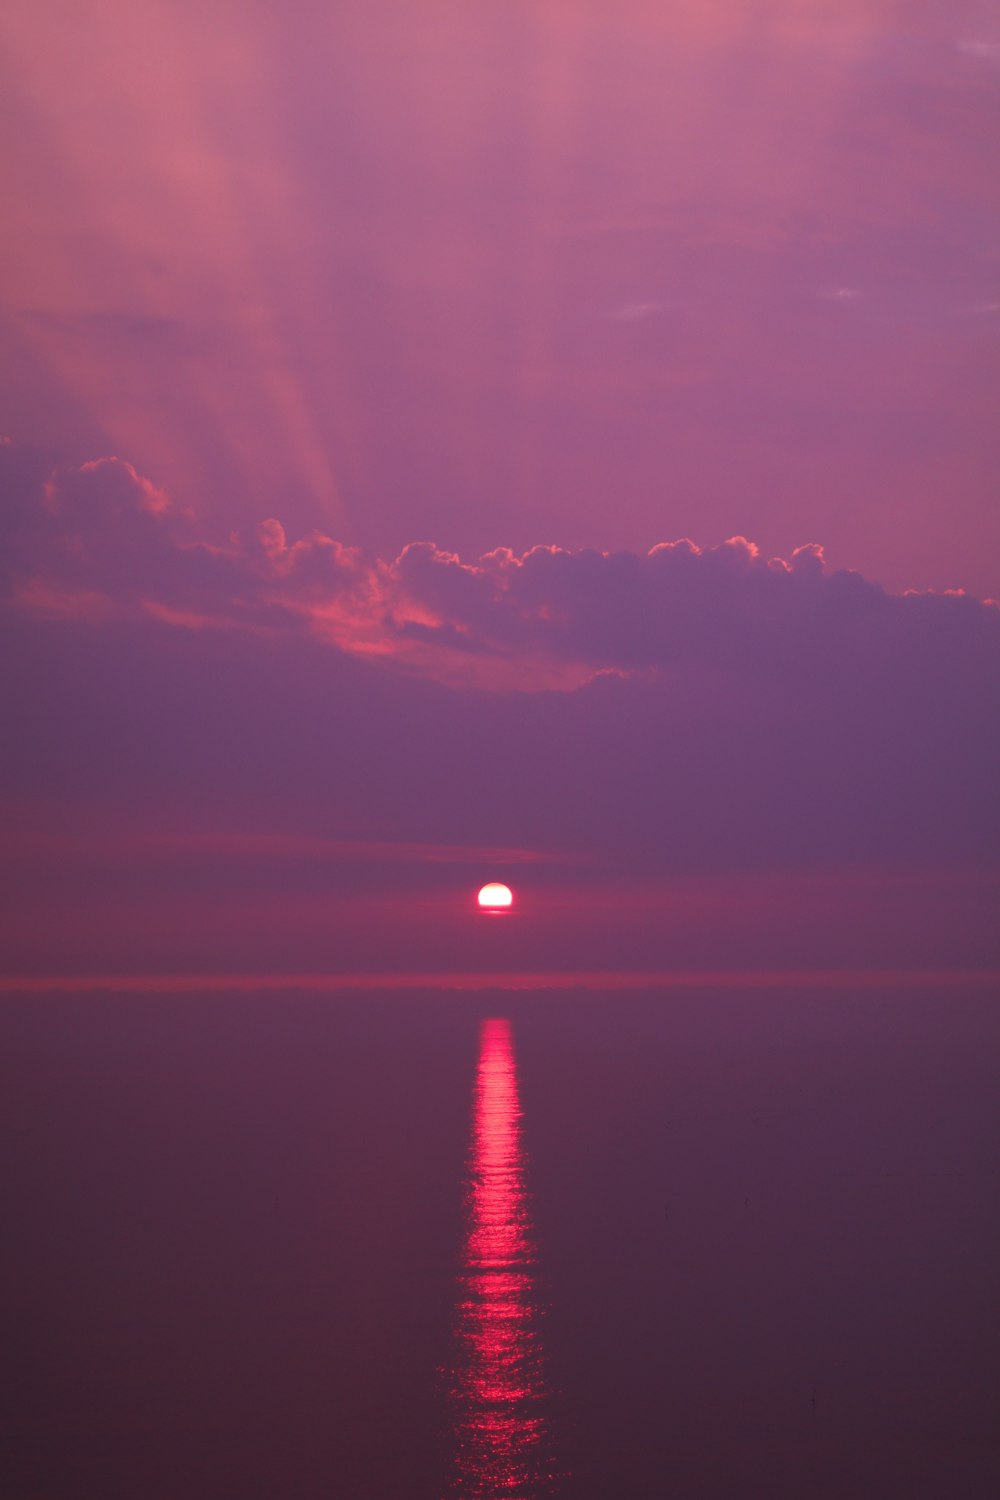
184,983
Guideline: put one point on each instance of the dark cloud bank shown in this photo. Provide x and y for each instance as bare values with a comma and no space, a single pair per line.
684,713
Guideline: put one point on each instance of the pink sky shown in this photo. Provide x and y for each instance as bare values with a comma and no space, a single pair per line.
510,273
287,297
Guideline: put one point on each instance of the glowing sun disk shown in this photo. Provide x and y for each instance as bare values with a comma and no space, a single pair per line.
495,895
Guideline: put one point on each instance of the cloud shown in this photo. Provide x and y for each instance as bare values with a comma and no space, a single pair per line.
254,751
719,709
102,540
985,49
104,532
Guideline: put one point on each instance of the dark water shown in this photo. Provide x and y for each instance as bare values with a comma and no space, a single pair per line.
429,1245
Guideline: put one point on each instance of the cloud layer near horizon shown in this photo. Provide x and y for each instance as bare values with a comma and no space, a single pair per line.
721,711
250,753
101,541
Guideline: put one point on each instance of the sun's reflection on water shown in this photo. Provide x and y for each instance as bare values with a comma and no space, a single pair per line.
498,1390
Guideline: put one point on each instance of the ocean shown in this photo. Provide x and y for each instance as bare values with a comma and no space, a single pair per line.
426,1244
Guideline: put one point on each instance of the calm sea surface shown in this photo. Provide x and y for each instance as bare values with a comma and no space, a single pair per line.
428,1245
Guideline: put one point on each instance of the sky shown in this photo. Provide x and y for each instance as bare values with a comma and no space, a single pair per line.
547,442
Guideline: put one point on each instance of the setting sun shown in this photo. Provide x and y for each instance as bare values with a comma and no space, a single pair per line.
494,896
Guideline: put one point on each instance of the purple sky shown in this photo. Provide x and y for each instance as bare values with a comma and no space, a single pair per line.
547,286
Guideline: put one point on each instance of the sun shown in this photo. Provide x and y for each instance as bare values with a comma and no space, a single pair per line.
494,897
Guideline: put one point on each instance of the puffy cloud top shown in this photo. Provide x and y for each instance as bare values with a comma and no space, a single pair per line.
102,539
719,709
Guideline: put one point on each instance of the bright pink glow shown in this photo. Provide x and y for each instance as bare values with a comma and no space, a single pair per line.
498,1389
